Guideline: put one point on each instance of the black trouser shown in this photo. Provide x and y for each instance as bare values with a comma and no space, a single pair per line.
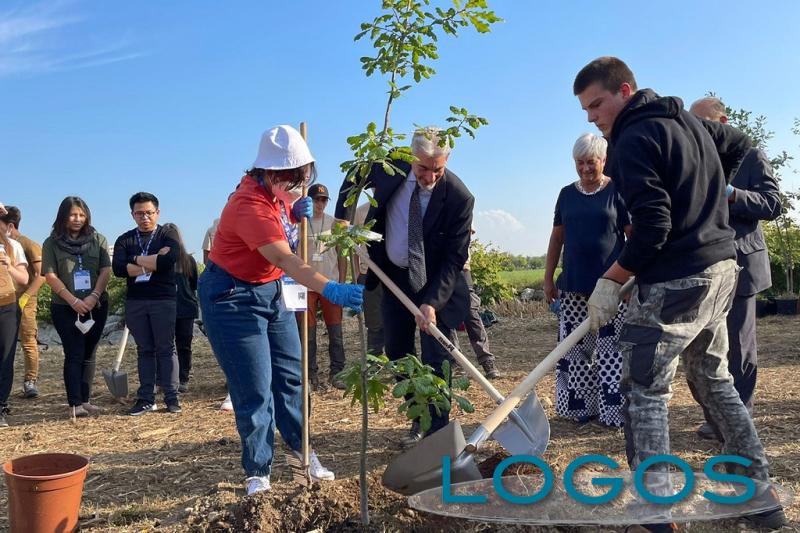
373,319
9,327
152,324
184,331
742,353
474,325
79,349
743,350
399,329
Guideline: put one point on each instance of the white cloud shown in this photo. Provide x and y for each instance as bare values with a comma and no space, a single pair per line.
497,218
31,41
502,230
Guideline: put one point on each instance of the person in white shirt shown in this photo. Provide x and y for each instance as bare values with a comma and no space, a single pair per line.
208,240
333,266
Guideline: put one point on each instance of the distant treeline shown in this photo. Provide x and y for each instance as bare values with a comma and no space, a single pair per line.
523,262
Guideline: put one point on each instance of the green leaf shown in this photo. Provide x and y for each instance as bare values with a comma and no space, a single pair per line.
424,420
461,383
464,404
446,370
401,389
388,169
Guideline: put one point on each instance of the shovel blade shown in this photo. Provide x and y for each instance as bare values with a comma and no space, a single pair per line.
534,440
117,383
420,468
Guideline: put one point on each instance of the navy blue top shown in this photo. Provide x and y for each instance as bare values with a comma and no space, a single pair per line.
593,235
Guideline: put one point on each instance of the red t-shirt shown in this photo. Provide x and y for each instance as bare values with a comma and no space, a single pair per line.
250,219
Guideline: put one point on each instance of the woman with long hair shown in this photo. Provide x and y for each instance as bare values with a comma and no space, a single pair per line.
187,309
13,273
76,265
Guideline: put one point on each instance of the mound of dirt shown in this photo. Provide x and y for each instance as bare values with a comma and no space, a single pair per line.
330,507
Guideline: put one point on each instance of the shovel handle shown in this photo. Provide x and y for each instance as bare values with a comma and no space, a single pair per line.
435,332
543,368
122,344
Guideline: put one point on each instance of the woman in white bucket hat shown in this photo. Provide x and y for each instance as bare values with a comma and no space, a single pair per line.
243,295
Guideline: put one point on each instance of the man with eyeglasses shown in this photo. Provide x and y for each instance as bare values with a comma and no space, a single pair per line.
146,257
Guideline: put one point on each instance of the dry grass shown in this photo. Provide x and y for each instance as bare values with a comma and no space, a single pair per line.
182,472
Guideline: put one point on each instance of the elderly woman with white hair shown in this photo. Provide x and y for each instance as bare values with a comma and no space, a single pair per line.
590,226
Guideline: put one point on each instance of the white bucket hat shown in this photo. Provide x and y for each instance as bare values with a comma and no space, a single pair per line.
282,148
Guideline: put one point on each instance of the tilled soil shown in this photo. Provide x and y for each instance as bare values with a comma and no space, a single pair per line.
162,472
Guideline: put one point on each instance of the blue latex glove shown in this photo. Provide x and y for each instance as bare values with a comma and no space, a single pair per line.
303,208
345,294
728,190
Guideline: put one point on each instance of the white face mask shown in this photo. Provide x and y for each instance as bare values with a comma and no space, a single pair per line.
84,327
287,196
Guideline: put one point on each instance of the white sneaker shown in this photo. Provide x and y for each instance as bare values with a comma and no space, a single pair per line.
257,484
317,471
227,405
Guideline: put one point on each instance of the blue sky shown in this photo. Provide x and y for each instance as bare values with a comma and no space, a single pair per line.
102,99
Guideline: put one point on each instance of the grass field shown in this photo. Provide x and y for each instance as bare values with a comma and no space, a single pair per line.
521,279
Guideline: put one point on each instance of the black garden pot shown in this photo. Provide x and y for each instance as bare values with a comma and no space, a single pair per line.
786,306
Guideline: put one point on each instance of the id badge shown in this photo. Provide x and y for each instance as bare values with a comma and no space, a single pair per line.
316,258
143,278
293,295
82,280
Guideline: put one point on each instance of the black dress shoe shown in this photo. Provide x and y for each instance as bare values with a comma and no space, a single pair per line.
413,437
706,432
489,370
774,517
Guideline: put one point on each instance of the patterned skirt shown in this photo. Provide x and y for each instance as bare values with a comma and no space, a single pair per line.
585,390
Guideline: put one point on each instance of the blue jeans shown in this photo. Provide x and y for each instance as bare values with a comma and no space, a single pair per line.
256,342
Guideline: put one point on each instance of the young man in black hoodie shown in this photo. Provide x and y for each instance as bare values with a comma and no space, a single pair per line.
671,169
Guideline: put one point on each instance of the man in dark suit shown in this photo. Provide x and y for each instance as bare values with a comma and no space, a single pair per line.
425,216
752,196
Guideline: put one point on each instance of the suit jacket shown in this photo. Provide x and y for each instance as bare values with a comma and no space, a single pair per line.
446,234
757,198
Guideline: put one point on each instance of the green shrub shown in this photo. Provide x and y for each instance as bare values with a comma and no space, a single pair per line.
117,289
486,264
43,307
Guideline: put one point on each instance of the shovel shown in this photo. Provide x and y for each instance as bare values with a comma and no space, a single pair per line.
533,425
420,468
117,381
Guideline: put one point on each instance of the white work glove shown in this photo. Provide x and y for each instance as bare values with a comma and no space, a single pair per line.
603,303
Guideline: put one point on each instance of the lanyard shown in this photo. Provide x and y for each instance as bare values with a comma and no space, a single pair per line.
292,235
146,248
80,262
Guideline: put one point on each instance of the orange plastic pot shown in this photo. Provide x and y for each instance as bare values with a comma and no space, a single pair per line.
44,492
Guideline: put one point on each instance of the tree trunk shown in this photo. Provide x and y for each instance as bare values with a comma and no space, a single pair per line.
362,336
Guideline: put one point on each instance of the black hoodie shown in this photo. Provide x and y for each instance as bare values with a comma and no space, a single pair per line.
672,169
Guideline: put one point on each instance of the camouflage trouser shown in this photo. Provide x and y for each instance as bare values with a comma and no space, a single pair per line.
683,317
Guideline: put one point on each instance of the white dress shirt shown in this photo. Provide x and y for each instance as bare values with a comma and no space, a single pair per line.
397,219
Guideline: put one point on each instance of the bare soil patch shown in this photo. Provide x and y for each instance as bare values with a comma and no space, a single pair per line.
162,472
